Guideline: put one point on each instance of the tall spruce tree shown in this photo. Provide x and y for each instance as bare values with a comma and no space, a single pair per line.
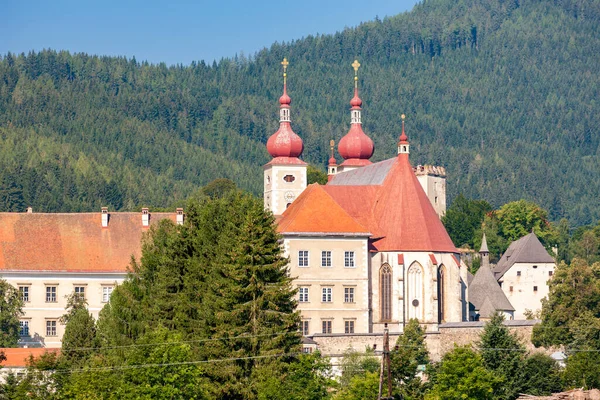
410,352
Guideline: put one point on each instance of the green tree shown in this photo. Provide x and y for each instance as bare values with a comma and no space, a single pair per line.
461,375
541,374
518,218
503,354
409,353
219,188
356,363
365,387
463,218
315,175
80,331
11,309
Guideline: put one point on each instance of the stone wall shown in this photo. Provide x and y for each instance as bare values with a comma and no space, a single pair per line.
438,342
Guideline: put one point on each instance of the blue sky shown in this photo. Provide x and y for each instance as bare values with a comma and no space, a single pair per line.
177,31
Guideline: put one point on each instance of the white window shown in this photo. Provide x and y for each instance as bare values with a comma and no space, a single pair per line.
326,258
80,292
349,295
51,294
50,328
349,259
327,297
24,328
303,294
304,327
303,258
326,327
24,292
348,326
106,292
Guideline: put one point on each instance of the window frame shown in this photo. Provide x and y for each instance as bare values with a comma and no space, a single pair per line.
106,293
303,294
304,327
51,293
327,294
349,294
349,326
23,323
303,259
326,259
79,291
24,292
51,328
349,259
326,326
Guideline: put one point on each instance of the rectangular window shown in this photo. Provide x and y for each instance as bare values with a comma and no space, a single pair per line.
349,259
511,288
303,258
326,258
50,294
535,288
307,350
349,326
24,328
518,273
550,273
326,327
24,292
304,327
106,292
303,295
349,295
80,292
327,296
50,328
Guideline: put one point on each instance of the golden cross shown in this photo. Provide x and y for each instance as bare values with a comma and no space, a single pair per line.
403,116
285,64
356,65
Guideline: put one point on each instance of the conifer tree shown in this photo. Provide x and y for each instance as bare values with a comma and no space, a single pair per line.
410,352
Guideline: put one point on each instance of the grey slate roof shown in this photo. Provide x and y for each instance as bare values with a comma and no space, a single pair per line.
486,295
484,246
373,174
527,249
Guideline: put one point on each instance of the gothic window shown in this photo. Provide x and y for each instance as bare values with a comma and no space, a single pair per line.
415,291
385,291
442,293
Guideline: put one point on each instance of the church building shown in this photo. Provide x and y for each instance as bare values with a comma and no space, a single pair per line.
368,248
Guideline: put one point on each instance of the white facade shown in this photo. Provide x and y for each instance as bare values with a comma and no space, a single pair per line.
525,285
283,183
45,295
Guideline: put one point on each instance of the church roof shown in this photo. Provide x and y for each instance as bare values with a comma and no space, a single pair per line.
386,199
74,242
315,211
486,295
527,249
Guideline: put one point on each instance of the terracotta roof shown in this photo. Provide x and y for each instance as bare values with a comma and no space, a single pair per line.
401,259
486,295
387,199
315,211
74,242
18,357
527,249
433,260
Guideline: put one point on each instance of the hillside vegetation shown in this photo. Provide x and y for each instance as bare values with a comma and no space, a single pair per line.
504,94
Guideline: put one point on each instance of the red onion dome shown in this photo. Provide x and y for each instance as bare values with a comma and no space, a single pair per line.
356,102
356,144
284,142
332,161
403,137
285,100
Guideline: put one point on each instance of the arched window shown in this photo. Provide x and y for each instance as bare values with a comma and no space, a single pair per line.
441,294
415,291
385,291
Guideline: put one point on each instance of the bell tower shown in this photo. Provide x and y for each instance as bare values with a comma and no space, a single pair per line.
285,174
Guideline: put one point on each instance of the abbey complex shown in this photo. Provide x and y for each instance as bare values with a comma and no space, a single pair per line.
366,250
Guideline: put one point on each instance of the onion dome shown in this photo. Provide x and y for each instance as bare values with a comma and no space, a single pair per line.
284,142
403,146
356,147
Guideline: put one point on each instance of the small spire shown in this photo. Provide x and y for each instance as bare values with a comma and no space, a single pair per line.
285,100
403,147
332,161
484,246
356,102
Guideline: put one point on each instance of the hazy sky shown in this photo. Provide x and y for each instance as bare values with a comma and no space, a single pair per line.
176,31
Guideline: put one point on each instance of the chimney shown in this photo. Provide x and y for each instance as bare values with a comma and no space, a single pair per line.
145,217
180,216
105,217
29,210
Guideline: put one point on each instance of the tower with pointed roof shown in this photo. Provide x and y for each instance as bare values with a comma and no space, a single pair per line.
484,253
285,175
356,148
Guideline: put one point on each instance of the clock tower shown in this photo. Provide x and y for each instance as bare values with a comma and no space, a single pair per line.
285,174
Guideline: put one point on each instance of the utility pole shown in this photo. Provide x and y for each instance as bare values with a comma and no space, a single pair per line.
385,361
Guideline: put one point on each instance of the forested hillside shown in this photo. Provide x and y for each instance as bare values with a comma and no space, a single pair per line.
504,94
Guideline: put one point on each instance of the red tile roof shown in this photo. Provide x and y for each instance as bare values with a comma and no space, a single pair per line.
315,211
433,260
397,212
71,242
18,357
